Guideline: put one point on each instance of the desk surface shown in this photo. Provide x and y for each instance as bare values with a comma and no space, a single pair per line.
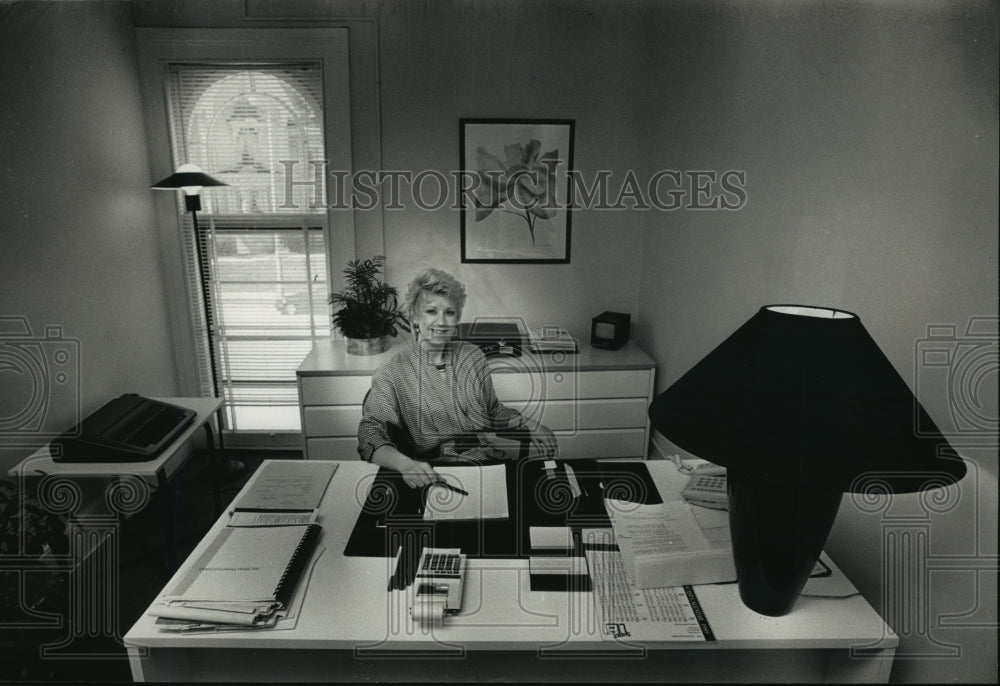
40,463
347,606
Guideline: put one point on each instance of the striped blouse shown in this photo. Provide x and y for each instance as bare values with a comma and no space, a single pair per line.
419,408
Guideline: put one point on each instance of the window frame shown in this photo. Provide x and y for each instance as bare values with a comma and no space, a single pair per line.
159,47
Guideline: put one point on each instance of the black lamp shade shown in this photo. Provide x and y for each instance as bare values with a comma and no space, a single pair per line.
806,398
800,405
187,179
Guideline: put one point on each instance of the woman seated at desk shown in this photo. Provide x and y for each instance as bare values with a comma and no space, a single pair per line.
435,390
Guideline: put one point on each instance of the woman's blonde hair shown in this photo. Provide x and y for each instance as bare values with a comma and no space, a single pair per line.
435,282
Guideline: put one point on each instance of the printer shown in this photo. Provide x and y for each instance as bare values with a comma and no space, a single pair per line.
129,428
506,338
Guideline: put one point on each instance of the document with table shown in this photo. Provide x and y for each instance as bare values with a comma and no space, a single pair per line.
672,544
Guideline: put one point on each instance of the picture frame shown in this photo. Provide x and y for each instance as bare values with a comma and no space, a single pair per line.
515,202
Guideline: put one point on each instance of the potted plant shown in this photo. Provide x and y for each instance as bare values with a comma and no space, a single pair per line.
368,309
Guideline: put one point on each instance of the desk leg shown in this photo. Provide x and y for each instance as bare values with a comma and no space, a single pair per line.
169,504
215,461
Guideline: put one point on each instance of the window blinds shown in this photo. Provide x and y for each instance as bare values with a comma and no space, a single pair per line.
263,241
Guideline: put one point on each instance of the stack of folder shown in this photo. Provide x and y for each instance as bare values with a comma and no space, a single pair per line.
247,577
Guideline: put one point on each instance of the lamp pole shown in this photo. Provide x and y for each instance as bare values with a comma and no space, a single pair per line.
193,204
190,179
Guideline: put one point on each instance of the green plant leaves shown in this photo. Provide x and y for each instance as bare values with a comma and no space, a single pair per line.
368,307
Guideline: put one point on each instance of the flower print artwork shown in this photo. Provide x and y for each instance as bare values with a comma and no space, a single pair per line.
516,209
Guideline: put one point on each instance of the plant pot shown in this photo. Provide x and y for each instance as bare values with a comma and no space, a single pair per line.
367,346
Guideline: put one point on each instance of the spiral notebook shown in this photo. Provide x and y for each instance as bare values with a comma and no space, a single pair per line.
253,565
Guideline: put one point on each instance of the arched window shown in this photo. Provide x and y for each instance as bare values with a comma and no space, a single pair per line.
248,127
263,240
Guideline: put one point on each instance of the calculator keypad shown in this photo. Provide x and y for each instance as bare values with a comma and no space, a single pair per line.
711,484
441,564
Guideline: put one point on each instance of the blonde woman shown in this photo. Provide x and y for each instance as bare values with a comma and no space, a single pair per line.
435,390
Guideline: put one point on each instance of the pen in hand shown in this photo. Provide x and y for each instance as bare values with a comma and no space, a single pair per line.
445,484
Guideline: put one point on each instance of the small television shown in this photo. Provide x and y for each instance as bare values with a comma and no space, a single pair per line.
610,330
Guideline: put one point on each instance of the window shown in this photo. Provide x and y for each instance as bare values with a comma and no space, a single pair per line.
250,106
265,255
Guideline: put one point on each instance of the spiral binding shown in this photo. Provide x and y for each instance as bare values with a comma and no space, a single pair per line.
293,570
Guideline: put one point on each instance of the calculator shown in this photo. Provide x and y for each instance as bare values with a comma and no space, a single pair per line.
441,575
707,490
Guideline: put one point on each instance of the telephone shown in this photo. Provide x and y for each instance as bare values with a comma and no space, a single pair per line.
439,583
707,490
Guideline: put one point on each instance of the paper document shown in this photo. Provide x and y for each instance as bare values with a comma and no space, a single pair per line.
664,545
487,494
632,614
288,485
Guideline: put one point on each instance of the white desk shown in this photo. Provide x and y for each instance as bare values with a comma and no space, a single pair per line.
123,488
159,470
351,629
96,497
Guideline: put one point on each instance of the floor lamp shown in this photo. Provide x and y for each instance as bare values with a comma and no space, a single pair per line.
190,179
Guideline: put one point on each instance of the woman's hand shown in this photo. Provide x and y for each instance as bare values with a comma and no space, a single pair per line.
415,473
418,474
544,441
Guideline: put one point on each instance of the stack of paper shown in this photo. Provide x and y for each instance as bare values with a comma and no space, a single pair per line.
666,545
550,339
255,571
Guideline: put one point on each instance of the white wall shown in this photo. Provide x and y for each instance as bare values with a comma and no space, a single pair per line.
76,226
868,133
444,61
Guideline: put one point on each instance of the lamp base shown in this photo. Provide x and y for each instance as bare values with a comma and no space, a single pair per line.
778,532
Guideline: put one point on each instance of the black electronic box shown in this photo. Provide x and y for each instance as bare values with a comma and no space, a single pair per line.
496,338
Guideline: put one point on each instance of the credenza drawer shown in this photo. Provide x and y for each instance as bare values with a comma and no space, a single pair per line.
569,415
338,448
509,386
602,443
564,415
332,420
631,383
333,390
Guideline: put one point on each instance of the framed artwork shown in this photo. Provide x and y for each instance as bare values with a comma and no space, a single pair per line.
517,208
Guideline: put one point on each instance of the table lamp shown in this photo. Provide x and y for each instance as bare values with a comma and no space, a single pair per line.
190,179
800,405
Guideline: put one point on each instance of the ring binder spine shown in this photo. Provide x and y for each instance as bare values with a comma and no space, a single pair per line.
293,570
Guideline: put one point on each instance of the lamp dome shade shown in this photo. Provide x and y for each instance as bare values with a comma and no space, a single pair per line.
804,395
188,176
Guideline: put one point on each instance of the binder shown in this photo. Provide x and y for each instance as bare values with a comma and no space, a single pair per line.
245,577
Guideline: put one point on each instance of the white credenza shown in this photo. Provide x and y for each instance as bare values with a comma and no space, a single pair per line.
596,401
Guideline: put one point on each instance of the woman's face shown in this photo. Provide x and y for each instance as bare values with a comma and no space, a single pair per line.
437,318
